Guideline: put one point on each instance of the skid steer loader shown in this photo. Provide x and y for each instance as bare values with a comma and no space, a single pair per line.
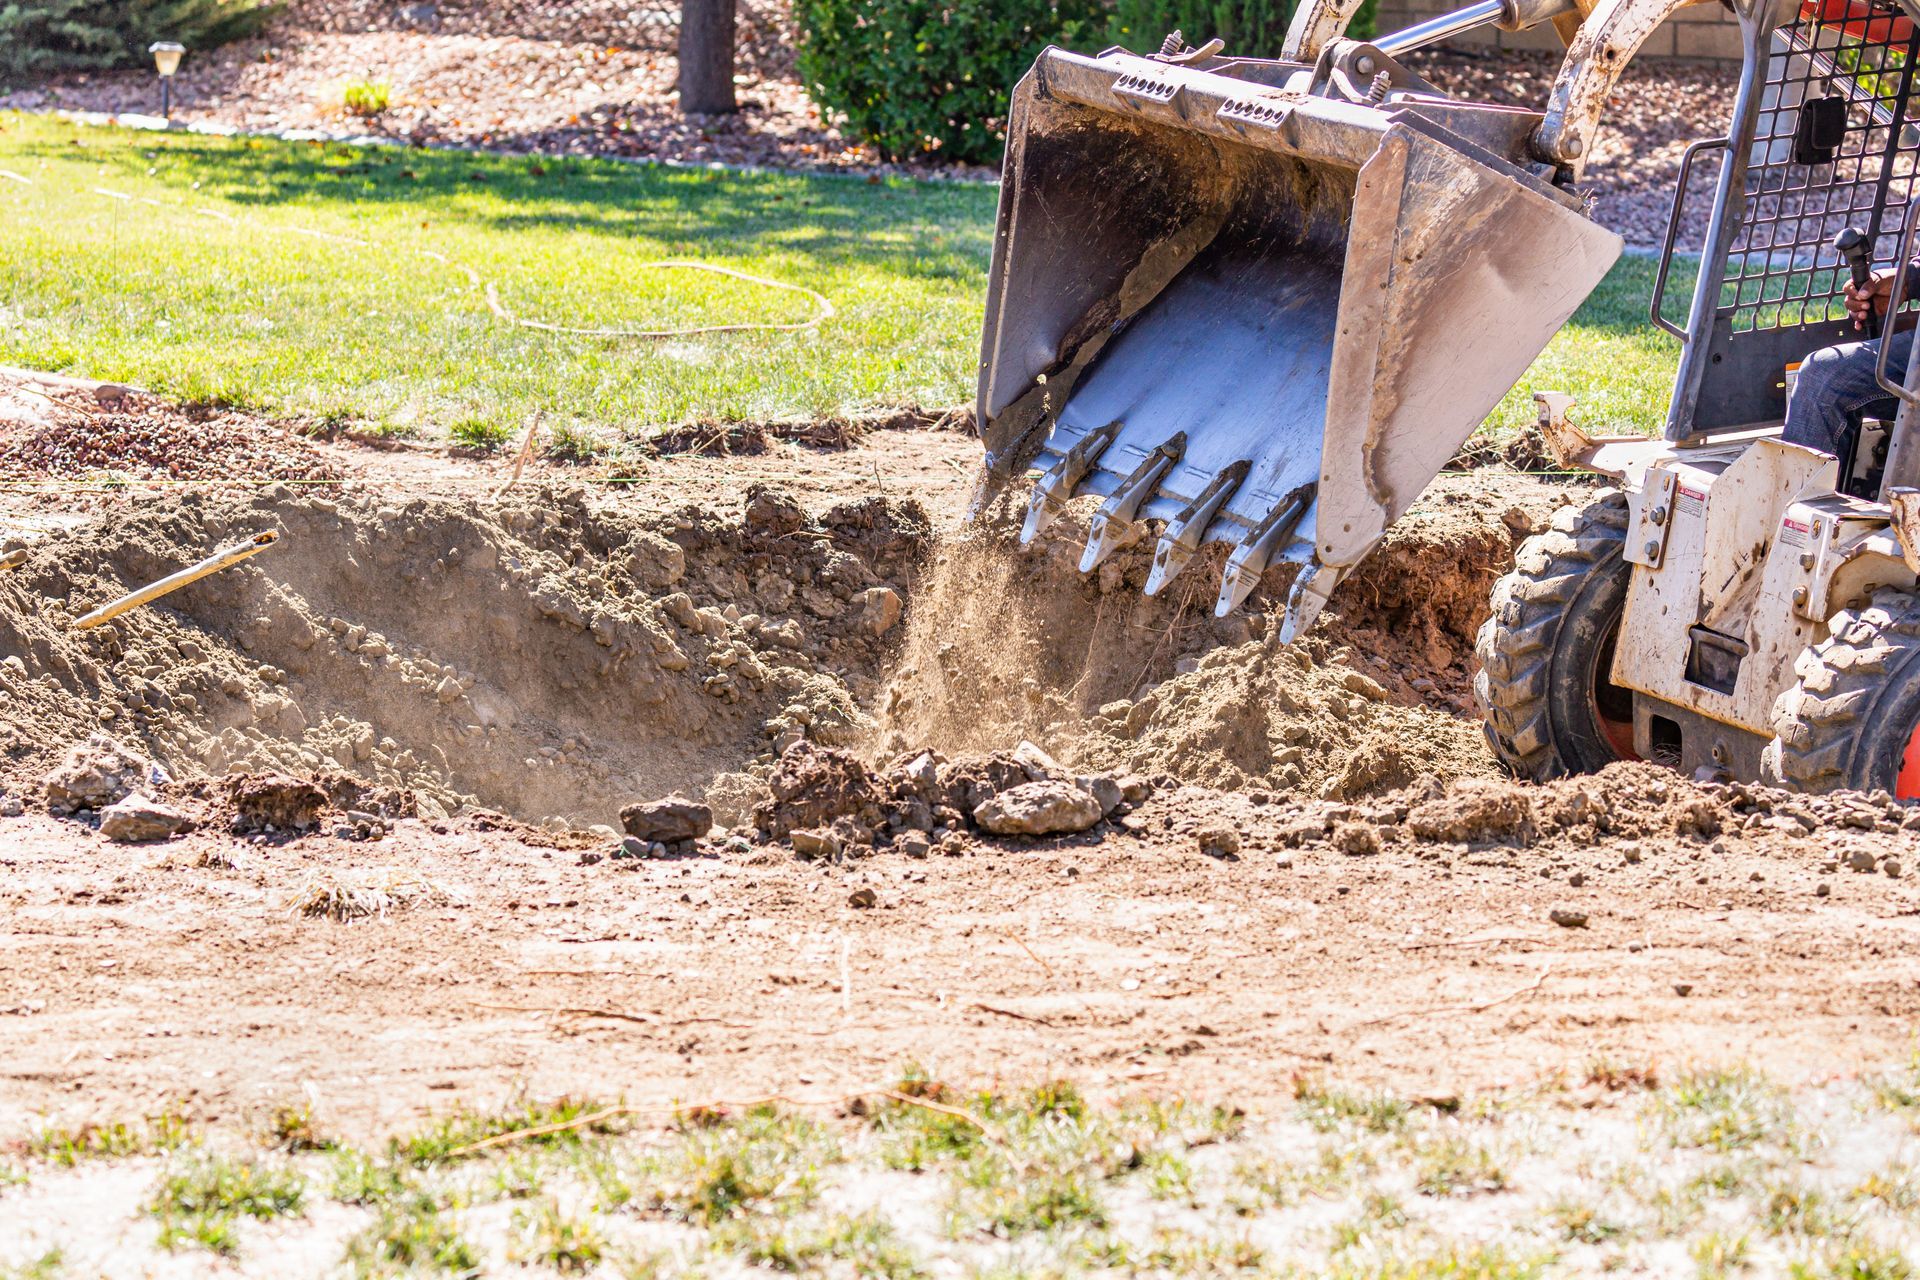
1264,301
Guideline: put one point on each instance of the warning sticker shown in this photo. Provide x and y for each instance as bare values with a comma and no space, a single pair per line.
1690,502
1794,533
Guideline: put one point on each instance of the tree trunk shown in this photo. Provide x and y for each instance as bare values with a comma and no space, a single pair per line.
706,57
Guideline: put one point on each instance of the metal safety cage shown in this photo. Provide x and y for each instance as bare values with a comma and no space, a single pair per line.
1823,138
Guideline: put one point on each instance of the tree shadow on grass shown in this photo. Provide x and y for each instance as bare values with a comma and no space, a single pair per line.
712,212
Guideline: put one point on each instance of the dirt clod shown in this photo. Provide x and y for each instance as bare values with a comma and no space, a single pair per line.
1568,917
94,774
274,802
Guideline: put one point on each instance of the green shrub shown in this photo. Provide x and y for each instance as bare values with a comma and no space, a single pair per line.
1251,28
40,37
914,78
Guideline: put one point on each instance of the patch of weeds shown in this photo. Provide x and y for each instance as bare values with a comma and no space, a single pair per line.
1899,1090
409,1237
440,1140
290,1127
198,1203
1378,1212
480,433
1169,1176
360,1179
166,1131
1475,1263
1857,1262
1716,1255
720,1170
1727,1178
12,1175
1799,1210
366,98
1582,1223
1190,1123
519,1178
345,896
865,1243
1002,1204
1721,1110
546,1235
917,1138
1897,1189
1456,1167
1179,1253
572,446
1280,1185
1326,1109
48,1266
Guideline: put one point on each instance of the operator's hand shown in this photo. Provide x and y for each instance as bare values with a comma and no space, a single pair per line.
1872,299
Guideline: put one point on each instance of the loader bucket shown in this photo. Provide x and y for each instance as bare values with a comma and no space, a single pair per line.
1226,297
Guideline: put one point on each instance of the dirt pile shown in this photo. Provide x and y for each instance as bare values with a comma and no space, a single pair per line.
548,655
1006,643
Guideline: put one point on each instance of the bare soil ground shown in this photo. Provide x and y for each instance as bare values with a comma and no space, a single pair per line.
597,78
1320,870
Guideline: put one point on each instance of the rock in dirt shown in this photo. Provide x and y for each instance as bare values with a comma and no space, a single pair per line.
811,786
667,821
814,842
882,611
863,899
1218,840
1044,808
1568,918
274,800
1355,839
140,818
94,774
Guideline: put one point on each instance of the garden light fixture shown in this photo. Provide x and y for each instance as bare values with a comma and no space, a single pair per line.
166,59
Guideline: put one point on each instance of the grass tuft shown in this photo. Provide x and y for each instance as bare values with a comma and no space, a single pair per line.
198,1203
359,895
407,1238
443,1138
366,98
1327,1109
166,1131
546,1235
1721,1110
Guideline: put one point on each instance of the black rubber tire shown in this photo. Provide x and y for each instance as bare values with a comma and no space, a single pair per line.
1846,721
1554,620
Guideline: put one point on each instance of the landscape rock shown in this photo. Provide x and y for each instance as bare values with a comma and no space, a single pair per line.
1050,807
1105,790
863,899
667,821
1355,839
1568,917
140,818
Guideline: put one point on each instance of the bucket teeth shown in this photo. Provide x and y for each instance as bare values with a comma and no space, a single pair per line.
1123,504
1055,489
1181,538
1250,559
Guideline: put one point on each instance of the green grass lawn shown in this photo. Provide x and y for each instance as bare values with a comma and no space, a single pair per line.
252,308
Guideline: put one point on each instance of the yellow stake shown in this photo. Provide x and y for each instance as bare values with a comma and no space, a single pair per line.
212,564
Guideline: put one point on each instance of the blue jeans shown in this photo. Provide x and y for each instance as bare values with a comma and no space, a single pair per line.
1836,382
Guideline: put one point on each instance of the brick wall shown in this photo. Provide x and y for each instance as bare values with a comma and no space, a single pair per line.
1700,31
